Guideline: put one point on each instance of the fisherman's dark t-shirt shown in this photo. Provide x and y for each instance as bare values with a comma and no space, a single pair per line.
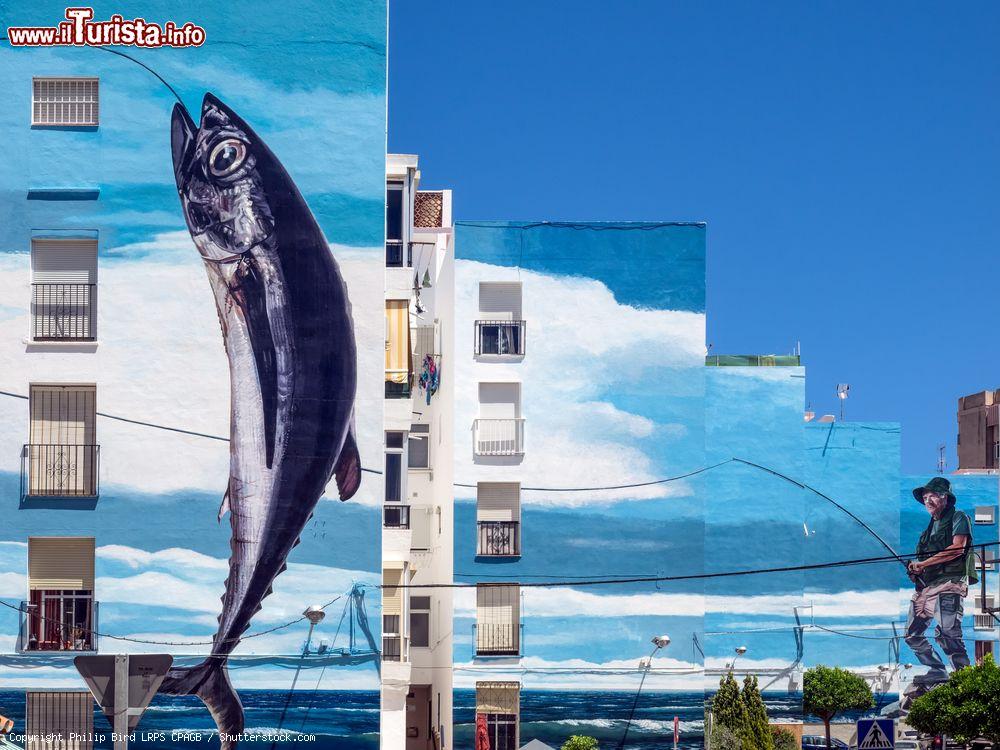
937,537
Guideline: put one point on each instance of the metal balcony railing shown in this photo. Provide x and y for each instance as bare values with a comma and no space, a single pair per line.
58,631
396,516
498,437
63,312
499,539
500,337
60,470
497,638
399,254
983,622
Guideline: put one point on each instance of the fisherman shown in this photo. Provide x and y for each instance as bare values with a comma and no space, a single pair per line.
942,571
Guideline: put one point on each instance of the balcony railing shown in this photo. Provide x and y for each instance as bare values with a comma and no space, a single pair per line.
398,390
497,638
500,337
499,539
396,516
498,437
60,470
63,312
37,631
399,254
983,622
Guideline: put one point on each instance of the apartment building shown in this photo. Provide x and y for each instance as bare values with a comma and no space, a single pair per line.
417,547
115,419
978,443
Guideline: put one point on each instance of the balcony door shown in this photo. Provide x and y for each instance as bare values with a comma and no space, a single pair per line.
62,450
63,289
61,593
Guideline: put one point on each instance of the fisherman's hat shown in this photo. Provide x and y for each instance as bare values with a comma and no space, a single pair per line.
939,485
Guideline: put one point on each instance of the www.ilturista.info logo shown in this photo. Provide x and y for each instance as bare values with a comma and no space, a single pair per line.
79,29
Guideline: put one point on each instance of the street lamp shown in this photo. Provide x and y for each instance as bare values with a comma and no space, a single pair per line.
315,615
739,650
658,641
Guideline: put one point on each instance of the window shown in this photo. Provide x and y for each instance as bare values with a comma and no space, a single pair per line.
395,223
394,467
498,517
63,289
61,457
982,649
499,430
984,514
66,102
398,355
419,446
392,613
420,621
498,708
61,612
59,720
498,630
499,326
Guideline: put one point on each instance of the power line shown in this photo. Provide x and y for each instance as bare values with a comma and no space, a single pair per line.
90,631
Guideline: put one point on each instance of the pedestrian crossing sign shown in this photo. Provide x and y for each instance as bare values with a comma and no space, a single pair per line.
876,734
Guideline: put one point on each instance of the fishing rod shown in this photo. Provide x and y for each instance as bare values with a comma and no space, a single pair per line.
802,485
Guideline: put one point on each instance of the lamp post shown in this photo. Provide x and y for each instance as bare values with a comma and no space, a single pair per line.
315,615
739,651
659,641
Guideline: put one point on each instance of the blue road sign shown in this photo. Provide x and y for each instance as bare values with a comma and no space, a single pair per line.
876,734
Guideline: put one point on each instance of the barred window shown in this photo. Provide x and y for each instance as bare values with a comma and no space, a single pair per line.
64,101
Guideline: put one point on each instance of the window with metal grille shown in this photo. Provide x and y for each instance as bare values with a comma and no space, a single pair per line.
69,102
61,457
63,289
59,720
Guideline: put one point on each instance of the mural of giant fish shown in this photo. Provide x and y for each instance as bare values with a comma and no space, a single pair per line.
289,336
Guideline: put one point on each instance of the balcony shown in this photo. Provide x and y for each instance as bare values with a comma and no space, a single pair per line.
497,639
500,338
499,539
60,470
63,630
498,437
63,312
396,516
399,254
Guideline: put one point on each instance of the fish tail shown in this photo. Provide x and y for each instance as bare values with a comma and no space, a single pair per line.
210,682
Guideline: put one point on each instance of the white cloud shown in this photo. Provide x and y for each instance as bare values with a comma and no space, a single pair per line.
581,343
160,359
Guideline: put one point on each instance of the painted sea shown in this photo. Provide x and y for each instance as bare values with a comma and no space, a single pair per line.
348,720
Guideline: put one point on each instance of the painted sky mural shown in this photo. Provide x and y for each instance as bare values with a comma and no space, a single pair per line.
159,360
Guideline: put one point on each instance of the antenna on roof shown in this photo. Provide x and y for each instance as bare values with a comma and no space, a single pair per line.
942,461
842,390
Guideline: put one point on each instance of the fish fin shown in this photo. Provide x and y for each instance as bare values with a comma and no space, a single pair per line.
210,682
348,468
225,507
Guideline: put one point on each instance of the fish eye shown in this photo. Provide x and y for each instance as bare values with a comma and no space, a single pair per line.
226,157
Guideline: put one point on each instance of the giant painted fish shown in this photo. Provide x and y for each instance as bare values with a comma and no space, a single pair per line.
288,332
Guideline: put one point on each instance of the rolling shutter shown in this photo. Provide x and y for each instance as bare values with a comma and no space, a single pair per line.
63,414
64,261
61,563
421,523
59,720
500,300
498,501
495,697
392,593
397,343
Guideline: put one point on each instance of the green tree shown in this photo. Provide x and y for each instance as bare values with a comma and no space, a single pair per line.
756,714
826,691
784,739
965,707
729,712
580,742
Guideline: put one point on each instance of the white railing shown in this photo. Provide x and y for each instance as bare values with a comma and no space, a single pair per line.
983,622
498,437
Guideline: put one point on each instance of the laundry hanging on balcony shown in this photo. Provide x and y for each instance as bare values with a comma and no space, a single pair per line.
430,377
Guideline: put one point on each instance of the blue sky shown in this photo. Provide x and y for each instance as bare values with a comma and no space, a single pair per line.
844,158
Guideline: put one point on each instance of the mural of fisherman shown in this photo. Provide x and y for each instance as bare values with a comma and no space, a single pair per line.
942,571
